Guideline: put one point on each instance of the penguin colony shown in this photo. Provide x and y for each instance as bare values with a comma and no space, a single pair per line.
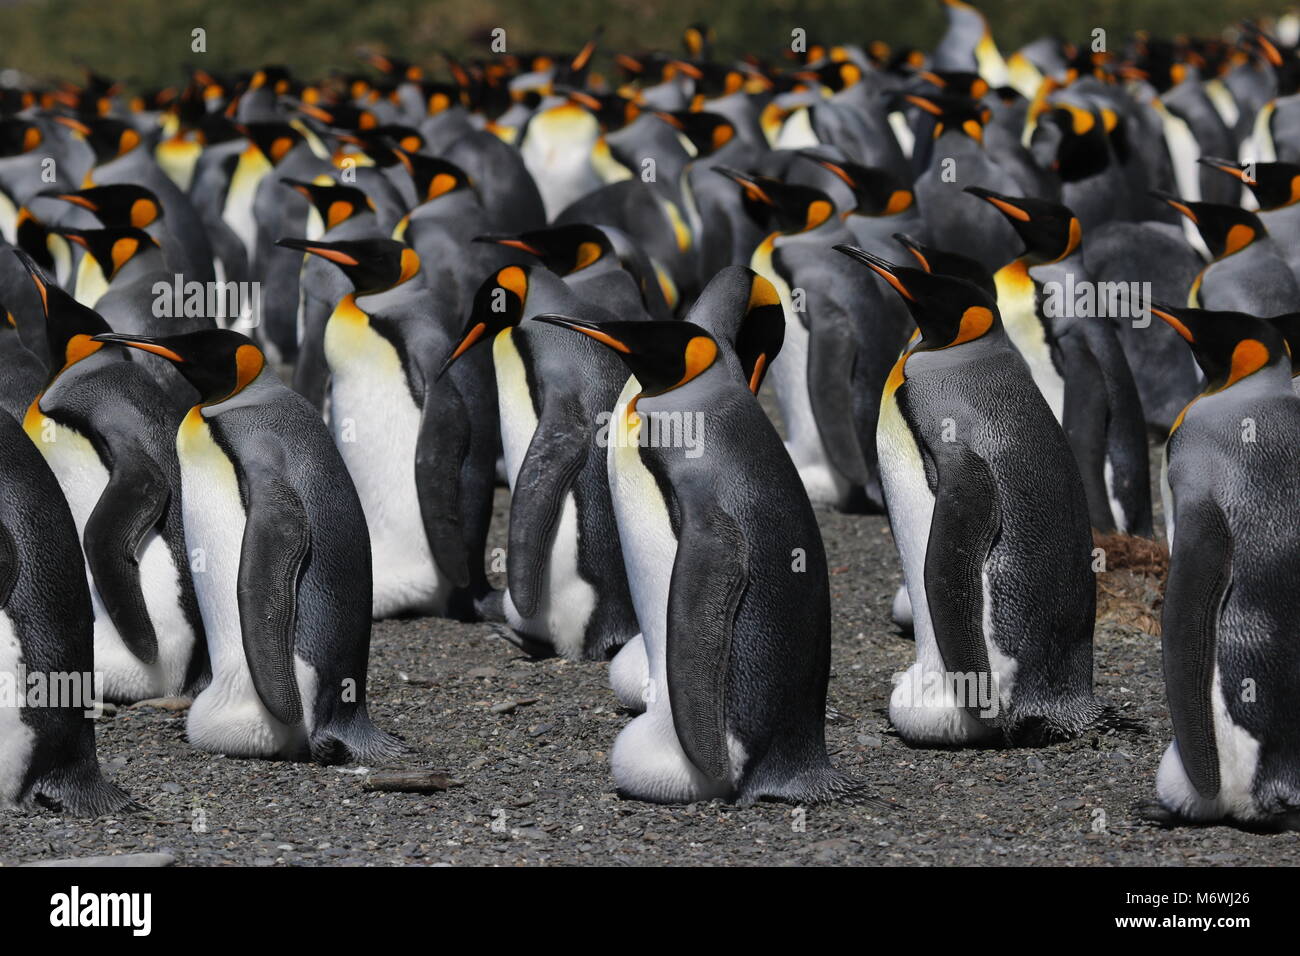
576,284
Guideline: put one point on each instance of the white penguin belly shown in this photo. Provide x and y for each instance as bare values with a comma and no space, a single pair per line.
922,705
1238,754
797,131
789,376
557,151
82,476
1116,509
238,210
17,740
647,759
567,600
228,716
376,426
1016,303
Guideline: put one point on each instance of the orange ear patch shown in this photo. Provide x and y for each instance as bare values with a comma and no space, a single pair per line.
514,279
1238,238
1249,356
975,321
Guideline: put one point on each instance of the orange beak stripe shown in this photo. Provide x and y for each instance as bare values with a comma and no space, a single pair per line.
1174,323
756,377
472,336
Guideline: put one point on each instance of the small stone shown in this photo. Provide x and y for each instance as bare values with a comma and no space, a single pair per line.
505,707
409,781
174,704
171,788
482,672
867,740
538,729
1070,803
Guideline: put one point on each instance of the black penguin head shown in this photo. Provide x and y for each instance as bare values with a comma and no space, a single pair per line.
385,144
781,207
956,83
334,202
371,265
743,308
219,363
707,132
339,116
698,40
877,192
433,177
17,136
498,305
1225,229
613,111
109,138
1228,346
955,114
1050,231
115,206
1274,184
69,325
948,311
663,355
273,139
563,249
112,247
944,263
1082,150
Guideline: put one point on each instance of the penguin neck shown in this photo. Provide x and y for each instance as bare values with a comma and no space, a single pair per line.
144,263
265,388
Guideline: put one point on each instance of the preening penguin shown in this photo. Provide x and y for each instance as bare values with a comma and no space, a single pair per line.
991,523
285,593
1231,661
737,629
47,753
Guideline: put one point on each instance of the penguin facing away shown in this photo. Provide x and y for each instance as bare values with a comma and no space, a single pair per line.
286,593
47,753
991,523
738,642
1230,659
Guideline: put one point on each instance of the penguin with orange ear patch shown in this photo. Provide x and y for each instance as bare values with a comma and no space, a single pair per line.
737,644
1231,661
991,522
1248,273
1076,360
1276,187
956,159
842,334
285,594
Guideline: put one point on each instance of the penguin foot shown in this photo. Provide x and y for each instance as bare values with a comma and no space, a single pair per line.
96,798
491,607
1150,811
529,645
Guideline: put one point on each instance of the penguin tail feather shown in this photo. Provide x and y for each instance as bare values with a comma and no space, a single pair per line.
357,740
822,784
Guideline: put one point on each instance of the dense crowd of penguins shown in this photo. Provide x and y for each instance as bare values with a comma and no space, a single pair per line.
272,342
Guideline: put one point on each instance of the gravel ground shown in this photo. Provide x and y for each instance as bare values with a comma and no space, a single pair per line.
528,742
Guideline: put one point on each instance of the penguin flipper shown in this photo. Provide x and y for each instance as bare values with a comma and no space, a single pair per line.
832,354
1084,423
709,576
1200,570
275,545
554,457
440,450
132,502
966,520
8,566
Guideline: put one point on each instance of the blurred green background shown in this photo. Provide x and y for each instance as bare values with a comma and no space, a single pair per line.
148,41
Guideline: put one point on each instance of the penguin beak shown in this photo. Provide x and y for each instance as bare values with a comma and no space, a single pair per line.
471,338
141,343
38,277
879,266
752,189
589,329
1002,203
73,198
511,242
325,252
1166,315
1176,202
914,247
835,168
1223,165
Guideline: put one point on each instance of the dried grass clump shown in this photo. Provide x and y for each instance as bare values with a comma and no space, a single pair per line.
1131,589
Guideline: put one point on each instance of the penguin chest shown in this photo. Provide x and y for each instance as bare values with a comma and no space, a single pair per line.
908,495
376,425
789,376
238,210
1017,303
8,219
17,740
646,533
214,535
91,284
514,404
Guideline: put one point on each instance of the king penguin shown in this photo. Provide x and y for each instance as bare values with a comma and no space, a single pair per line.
1076,359
105,430
567,591
736,635
47,753
285,594
991,523
421,450
1231,662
